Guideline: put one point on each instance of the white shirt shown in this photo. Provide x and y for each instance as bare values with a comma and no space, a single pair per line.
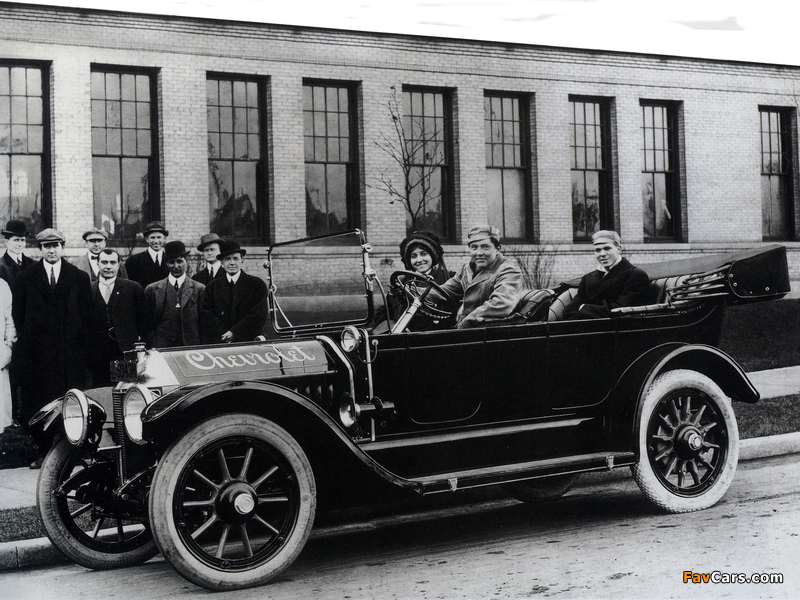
179,281
17,258
106,287
156,256
55,269
234,278
94,263
213,268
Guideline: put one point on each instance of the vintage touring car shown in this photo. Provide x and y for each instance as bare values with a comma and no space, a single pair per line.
220,456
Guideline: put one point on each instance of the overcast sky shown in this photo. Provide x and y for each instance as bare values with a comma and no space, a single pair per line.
748,30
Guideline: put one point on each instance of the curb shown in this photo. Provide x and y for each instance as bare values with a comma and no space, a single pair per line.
40,552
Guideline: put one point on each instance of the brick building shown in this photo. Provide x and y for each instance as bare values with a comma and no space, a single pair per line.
269,132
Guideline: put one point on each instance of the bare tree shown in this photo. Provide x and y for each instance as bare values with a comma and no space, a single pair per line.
417,149
536,263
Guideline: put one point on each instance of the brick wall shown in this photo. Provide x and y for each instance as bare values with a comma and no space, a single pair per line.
718,114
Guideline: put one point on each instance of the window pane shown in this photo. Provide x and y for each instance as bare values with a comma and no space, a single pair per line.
25,190
513,203
659,176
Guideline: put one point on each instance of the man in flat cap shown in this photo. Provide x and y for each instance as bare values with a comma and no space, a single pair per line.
489,285
118,317
173,303
51,302
95,241
233,307
615,282
149,266
14,259
209,246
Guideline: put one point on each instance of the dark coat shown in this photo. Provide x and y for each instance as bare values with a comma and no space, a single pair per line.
204,277
128,314
9,269
82,262
598,292
52,326
143,270
242,310
156,295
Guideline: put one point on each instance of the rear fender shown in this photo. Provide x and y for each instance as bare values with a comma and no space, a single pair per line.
629,393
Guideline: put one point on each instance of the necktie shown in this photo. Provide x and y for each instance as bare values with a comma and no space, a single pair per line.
178,294
105,289
52,279
177,287
93,257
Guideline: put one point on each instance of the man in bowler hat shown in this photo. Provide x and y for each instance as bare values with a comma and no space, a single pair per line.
51,301
149,266
174,302
209,246
233,307
14,260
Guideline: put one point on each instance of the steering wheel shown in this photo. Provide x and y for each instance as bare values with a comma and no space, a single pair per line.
417,285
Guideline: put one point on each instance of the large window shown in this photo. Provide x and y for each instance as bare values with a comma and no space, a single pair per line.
660,189
124,151
428,139
237,158
329,132
777,199
24,158
507,163
592,203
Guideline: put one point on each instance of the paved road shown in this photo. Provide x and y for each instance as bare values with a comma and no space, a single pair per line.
599,541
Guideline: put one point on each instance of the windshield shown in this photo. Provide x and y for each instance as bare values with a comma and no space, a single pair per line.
319,282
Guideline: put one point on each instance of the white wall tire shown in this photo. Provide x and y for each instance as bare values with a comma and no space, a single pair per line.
232,502
688,442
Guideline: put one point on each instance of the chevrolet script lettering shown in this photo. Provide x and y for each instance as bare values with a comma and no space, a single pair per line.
206,361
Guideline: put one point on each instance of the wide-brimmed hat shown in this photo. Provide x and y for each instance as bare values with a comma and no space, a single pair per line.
227,247
175,249
94,231
15,228
154,226
483,232
209,238
46,236
429,241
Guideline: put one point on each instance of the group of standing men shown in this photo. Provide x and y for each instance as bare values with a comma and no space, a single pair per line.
73,318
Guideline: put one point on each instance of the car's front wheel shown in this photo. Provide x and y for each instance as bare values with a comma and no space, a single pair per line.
81,515
232,502
688,442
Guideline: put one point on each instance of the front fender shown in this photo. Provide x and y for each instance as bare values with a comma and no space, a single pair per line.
629,393
50,412
330,449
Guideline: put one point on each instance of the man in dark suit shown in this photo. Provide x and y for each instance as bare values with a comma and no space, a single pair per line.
616,282
14,259
209,246
173,303
118,318
149,266
233,308
95,241
51,302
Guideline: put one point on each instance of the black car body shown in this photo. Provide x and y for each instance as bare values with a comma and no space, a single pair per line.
219,456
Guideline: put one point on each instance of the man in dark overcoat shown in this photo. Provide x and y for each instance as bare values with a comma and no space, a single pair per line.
209,246
51,302
14,260
616,282
149,266
233,308
118,317
173,303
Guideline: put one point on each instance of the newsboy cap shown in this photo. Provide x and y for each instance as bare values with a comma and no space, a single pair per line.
209,238
46,236
227,247
94,232
175,249
154,226
15,228
483,232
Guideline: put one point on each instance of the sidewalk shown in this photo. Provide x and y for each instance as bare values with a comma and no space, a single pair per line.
18,486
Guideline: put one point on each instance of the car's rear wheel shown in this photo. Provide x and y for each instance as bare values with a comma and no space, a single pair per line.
541,490
688,442
82,517
232,502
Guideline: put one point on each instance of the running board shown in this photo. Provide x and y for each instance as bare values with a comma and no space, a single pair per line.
471,478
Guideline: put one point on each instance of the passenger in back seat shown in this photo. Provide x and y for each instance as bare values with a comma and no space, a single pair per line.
616,282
